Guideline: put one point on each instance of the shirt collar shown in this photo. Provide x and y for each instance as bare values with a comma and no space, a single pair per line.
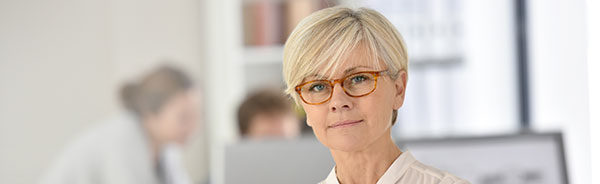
331,178
391,175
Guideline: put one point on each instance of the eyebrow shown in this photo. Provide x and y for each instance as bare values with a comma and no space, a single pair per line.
345,72
354,68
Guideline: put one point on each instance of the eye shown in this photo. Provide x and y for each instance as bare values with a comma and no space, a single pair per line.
358,79
316,87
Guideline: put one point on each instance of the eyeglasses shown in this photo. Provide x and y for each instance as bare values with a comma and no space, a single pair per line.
355,85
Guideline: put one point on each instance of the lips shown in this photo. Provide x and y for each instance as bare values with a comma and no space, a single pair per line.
346,123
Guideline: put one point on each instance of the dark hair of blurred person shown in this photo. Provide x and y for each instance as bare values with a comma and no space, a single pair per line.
268,114
141,145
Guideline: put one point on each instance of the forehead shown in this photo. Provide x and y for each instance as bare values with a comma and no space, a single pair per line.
358,59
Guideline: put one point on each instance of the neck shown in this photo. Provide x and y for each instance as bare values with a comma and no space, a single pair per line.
155,147
367,165
154,142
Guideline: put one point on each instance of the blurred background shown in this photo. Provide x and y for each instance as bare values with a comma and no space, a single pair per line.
479,70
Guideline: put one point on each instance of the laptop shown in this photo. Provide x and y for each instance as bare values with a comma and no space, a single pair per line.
299,161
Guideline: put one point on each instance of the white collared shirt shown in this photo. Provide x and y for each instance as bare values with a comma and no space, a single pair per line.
407,170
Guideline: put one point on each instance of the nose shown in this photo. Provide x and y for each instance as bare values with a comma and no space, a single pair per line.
339,99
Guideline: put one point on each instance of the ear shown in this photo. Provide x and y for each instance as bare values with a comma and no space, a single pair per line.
400,85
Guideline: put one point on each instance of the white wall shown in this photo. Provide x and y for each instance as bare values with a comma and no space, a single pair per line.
62,61
488,78
593,33
224,86
559,79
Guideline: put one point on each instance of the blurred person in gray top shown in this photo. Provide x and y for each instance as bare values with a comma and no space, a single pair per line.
138,146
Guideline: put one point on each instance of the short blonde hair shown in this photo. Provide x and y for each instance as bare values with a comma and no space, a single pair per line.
321,41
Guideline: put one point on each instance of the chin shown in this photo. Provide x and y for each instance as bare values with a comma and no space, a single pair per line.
346,143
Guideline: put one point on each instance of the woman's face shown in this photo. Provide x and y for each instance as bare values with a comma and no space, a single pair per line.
353,123
177,119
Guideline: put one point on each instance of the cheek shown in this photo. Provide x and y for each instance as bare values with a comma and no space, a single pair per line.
172,125
315,116
378,107
168,124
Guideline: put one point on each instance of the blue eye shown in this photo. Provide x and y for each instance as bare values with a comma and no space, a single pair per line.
359,78
316,87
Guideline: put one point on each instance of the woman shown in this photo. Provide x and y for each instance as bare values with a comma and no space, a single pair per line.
348,70
139,146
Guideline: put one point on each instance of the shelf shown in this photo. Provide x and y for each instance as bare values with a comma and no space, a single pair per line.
263,54
274,55
434,61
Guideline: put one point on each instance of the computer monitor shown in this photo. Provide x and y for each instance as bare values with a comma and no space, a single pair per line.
507,159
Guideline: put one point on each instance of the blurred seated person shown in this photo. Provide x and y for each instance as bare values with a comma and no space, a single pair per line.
268,114
140,145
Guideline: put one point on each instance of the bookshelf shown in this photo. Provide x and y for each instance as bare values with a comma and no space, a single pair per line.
266,24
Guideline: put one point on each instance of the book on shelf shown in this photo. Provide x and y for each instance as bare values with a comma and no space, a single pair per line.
269,22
